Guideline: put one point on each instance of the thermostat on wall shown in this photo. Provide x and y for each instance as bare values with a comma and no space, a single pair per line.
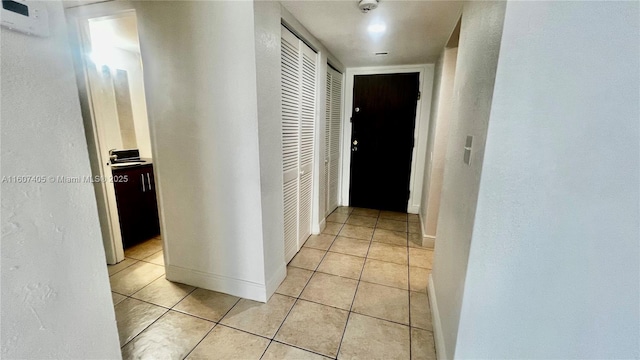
29,17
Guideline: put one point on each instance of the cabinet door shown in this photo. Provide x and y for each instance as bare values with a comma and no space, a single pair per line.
151,219
129,198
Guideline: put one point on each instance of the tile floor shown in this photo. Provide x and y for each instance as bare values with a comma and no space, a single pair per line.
356,291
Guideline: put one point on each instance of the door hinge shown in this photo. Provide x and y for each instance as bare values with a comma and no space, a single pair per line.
419,94
351,119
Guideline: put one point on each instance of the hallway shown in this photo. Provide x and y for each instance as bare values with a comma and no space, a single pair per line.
358,290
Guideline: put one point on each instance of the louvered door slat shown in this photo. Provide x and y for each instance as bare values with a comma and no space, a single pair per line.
334,138
307,133
290,83
298,128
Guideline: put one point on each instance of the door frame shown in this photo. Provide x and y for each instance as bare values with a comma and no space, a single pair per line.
423,109
77,17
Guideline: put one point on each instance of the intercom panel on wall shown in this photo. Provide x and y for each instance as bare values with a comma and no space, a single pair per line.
29,17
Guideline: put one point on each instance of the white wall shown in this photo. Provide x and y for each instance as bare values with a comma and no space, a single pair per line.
473,88
554,263
437,143
267,28
55,288
200,78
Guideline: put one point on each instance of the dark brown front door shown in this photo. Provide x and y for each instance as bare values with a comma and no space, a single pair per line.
383,121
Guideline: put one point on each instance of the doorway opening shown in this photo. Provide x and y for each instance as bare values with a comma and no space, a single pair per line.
382,140
112,94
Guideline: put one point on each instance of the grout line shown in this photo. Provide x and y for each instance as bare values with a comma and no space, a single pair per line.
146,327
364,263
216,323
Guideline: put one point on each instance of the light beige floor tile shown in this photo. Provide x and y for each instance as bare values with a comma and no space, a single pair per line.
414,218
389,253
382,302
421,258
350,246
157,258
163,292
365,212
135,277
330,290
144,249
386,273
343,210
224,343
366,221
113,269
356,232
422,345
369,338
390,237
342,265
414,228
278,351
420,311
171,337
320,242
393,225
338,217
314,327
210,305
258,318
295,281
133,316
332,228
393,215
117,298
307,258
419,278
415,241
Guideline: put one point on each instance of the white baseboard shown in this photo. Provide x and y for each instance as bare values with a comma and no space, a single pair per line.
441,350
232,286
276,280
427,240
413,209
323,224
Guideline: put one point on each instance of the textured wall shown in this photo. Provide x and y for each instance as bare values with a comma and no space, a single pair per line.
55,290
473,88
553,266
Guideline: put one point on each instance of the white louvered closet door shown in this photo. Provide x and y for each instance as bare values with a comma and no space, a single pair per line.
334,124
324,191
307,134
298,127
290,82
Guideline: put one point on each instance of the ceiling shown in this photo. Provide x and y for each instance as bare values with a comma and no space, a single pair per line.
416,31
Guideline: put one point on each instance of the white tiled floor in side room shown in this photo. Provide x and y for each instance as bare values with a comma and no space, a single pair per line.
358,290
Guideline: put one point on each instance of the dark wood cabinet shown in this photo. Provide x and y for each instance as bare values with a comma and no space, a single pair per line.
137,205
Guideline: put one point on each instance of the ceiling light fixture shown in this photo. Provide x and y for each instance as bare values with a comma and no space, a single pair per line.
377,28
367,5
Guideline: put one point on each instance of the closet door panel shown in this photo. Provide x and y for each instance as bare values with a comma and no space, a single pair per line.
334,139
307,134
290,83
